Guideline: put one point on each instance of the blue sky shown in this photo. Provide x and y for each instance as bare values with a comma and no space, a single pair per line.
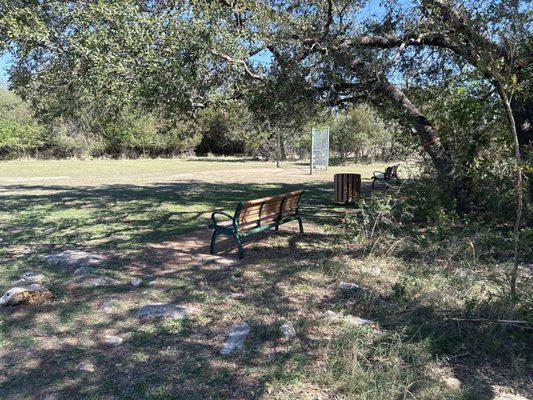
4,63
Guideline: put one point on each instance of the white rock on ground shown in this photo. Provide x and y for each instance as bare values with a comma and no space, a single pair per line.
113,340
86,281
136,282
233,295
26,295
86,366
452,382
32,277
347,318
287,330
74,257
108,306
161,310
349,286
236,339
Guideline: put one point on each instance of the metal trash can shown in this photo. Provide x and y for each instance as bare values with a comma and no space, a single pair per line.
347,187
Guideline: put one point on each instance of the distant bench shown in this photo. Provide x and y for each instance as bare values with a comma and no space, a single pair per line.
390,173
256,216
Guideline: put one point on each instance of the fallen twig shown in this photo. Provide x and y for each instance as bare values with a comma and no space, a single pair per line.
498,321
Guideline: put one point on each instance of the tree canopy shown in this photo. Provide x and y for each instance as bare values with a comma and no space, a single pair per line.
280,58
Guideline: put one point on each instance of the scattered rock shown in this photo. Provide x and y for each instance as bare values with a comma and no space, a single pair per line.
74,257
136,282
236,338
161,310
32,294
353,288
373,271
225,261
287,330
349,286
452,382
86,366
31,277
113,340
108,306
332,315
357,321
86,281
233,295
353,320
84,271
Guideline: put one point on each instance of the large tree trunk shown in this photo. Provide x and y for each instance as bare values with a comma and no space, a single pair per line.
430,141
429,138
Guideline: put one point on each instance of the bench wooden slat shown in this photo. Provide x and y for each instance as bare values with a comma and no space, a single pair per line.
258,215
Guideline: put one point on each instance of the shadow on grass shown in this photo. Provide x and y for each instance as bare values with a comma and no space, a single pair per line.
180,360
126,216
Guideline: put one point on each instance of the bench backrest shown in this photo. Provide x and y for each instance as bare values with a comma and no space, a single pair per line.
268,209
391,172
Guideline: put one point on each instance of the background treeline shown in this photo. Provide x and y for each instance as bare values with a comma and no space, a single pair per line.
358,133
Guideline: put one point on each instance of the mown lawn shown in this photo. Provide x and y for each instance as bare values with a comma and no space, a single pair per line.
148,218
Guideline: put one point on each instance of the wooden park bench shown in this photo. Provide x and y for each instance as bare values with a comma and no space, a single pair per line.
256,216
389,174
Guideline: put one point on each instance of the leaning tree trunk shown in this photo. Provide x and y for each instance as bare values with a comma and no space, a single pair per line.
429,139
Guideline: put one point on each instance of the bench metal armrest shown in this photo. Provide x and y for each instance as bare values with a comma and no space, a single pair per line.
213,217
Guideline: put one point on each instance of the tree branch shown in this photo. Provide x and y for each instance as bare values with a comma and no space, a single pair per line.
248,71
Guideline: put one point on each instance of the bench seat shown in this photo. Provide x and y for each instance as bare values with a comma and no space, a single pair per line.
255,216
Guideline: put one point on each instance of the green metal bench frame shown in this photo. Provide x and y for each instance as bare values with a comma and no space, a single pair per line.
235,230
389,174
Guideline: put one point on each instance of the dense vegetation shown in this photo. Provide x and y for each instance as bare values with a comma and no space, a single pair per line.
228,130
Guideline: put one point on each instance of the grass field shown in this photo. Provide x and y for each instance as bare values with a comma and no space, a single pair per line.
148,219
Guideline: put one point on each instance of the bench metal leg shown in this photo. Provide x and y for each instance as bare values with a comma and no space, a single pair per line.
301,225
373,182
213,241
238,242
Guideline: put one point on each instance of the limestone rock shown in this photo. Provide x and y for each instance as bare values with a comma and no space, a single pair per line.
32,277
74,257
349,286
136,282
233,295
87,281
452,382
113,340
161,310
236,339
86,366
287,330
32,294
351,319
108,306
